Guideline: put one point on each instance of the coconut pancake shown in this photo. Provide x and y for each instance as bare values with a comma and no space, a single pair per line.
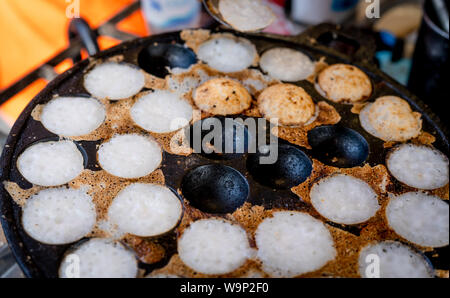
100,258
161,111
418,166
130,155
344,83
73,116
390,118
222,96
51,163
246,15
292,243
214,246
344,199
114,81
396,260
227,54
289,104
145,210
59,215
287,64
420,218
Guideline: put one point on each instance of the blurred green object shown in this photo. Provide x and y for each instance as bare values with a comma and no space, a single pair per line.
398,70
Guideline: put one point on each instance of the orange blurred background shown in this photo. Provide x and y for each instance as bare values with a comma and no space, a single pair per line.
32,32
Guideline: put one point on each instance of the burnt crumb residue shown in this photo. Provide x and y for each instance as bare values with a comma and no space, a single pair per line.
148,251
319,66
424,138
194,38
20,195
358,107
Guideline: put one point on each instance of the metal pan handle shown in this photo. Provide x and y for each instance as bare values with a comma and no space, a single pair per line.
351,44
79,29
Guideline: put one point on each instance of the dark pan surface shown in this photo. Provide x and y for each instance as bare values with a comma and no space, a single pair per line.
347,46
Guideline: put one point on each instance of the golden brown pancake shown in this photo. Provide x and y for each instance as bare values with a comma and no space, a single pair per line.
222,96
344,83
287,102
390,118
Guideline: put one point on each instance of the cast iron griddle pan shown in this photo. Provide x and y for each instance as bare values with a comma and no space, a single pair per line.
336,44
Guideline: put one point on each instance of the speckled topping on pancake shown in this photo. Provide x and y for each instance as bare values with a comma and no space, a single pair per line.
222,96
290,104
390,118
344,83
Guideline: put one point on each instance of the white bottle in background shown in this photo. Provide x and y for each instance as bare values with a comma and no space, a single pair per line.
170,15
312,12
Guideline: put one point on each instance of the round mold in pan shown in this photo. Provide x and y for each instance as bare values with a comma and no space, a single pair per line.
233,136
338,146
156,58
39,260
78,145
215,188
290,167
